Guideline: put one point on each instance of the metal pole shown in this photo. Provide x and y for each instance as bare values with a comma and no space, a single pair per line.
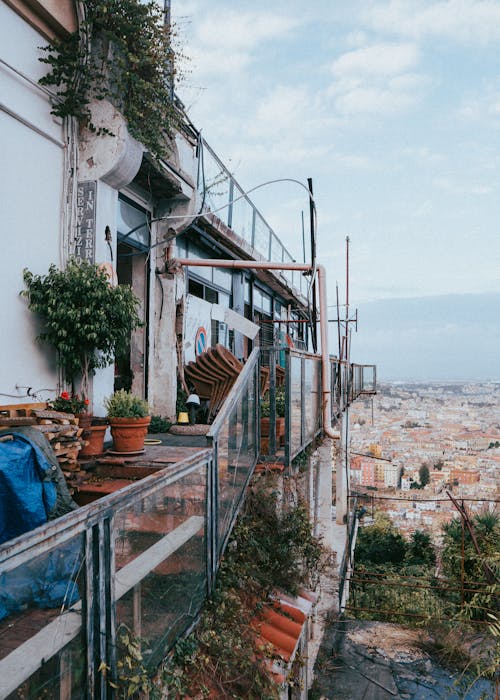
313,266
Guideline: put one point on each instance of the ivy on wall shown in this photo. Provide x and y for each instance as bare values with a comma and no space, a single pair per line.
123,52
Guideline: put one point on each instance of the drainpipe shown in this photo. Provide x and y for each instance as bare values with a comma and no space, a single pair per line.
323,315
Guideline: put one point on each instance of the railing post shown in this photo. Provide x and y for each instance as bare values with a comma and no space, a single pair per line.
288,407
100,609
302,400
272,402
212,518
230,207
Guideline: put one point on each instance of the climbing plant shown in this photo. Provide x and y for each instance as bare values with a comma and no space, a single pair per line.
123,52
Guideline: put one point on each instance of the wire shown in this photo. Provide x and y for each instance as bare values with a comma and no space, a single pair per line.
171,217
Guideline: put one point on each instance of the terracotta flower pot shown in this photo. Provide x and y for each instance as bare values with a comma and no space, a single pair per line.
94,435
129,433
84,419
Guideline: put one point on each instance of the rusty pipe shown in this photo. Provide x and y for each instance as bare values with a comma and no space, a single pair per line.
323,315
243,264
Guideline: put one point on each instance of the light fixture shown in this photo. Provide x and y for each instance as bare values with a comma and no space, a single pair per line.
192,403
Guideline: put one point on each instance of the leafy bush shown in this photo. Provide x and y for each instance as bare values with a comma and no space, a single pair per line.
124,404
159,425
265,405
87,320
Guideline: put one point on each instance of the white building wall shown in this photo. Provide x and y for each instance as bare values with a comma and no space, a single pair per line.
31,181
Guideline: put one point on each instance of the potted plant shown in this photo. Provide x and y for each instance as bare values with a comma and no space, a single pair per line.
129,419
86,319
265,410
73,404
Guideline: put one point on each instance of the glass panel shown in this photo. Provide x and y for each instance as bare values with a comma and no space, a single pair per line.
216,186
42,596
242,217
181,247
160,551
308,402
295,404
129,217
236,455
62,677
262,234
276,249
223,278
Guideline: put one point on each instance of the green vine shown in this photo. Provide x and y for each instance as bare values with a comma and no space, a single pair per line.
123,52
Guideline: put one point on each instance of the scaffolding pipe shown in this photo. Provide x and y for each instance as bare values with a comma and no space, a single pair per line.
323,315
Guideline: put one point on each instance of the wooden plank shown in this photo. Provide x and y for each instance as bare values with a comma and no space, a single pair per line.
133,573
24,661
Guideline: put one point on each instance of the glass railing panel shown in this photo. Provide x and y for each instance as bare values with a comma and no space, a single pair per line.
161,565
276,249
261,237
368,378
242,216
42,596
214,186
296,428
236,456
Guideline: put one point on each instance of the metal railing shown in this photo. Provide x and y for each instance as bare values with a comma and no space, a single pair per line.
292,392
299,373
235,439
143,559
223,195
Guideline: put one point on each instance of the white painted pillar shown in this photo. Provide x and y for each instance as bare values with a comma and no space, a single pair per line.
342,481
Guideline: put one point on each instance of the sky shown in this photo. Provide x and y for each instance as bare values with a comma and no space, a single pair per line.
393,109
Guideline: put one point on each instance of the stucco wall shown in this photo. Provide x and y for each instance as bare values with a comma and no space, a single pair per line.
31,167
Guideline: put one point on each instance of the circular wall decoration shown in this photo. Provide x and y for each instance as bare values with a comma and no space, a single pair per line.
200,343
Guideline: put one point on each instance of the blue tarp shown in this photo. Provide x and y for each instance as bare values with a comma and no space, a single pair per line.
27,499
27,494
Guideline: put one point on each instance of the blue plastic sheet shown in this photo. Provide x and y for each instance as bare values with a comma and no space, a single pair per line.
27,495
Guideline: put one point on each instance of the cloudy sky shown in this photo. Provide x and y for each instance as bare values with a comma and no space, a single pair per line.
393,108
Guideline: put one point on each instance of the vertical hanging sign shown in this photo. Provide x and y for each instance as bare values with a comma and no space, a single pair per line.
85,229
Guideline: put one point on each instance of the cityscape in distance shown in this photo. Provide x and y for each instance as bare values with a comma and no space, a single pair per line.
413,443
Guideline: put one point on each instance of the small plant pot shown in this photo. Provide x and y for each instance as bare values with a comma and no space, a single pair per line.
94,435
84,420
129,433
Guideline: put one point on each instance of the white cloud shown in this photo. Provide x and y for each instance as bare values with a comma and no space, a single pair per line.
376,60
470,21
226,42
378,79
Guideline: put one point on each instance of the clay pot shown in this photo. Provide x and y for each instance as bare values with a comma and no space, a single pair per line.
129,433
84,419
94,435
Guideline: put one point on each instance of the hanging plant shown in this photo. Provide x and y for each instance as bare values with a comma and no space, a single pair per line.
86,320
122,52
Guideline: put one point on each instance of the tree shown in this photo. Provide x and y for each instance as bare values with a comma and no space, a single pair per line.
87,320
420,550
424,475
380,543
487,530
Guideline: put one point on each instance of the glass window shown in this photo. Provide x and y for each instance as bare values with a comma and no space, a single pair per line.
222,278
132,218
211,295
